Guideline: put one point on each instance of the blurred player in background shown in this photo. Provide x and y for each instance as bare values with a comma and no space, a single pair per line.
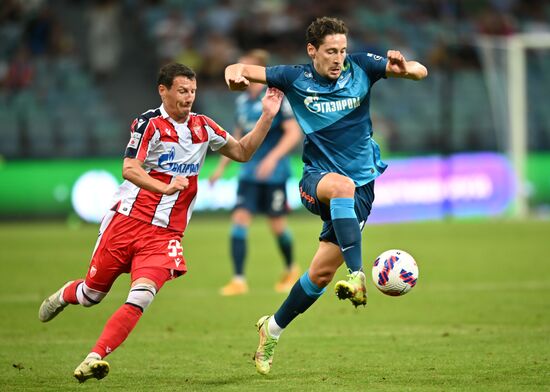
262,181
330,98
141,233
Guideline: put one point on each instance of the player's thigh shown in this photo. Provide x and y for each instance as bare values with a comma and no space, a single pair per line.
247,196
155,276
335,185
326,261
159,257
364,198
308,193
112,253
274,199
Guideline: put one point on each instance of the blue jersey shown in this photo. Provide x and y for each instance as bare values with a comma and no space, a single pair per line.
334,115
248,111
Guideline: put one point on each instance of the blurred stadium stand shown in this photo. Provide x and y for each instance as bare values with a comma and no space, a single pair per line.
73,74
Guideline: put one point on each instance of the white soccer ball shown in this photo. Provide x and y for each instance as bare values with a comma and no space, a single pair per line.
395,272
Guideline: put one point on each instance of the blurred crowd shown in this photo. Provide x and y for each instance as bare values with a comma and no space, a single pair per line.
51,64
209,34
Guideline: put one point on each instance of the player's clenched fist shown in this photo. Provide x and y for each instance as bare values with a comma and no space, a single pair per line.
179,183
239,83
395,57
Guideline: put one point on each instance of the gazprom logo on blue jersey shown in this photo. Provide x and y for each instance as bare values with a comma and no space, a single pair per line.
315,106
166,162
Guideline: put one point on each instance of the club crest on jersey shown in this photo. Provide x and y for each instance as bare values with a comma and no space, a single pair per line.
198,134
167,162
374,56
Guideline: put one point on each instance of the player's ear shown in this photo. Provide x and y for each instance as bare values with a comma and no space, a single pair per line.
311,51
162,89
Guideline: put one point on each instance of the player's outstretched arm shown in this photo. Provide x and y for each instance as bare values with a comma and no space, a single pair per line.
243,149
238,76
398,67
134,172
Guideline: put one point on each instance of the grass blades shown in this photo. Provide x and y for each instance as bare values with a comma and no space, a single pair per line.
478,319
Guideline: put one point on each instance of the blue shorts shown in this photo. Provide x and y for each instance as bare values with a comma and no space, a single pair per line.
364,197
269,199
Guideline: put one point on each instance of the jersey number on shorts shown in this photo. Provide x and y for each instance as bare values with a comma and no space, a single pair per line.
175,250
277,201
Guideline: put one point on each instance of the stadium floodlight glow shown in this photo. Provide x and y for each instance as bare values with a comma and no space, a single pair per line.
92,194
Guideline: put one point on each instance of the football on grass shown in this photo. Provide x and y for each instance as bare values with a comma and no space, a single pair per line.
395,272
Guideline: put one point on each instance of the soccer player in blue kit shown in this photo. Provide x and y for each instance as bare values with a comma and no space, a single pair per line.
262,181
330,98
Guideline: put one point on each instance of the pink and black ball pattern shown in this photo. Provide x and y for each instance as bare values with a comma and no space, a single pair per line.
395,272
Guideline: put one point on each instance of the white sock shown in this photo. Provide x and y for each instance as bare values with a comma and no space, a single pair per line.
239,278
61,300
273,328
93,355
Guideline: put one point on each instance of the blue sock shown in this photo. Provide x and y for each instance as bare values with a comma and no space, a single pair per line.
303,294
347,231
238,248
285,245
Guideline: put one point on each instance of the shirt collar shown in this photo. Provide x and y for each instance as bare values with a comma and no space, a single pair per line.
166,116
163,112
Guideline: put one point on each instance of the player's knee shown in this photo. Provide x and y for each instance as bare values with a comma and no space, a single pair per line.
310,287
344,188
336,186
141,295
322,277
87,296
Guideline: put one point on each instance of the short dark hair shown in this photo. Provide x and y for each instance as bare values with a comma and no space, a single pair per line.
171,70
321,27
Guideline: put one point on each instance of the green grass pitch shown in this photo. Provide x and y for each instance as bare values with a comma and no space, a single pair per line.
478,320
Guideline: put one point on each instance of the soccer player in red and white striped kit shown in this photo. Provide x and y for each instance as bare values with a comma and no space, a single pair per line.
141,233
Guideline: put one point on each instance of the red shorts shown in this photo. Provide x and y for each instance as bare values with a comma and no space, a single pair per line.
127,245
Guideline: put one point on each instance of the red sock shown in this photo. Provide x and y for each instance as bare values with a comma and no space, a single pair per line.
69,294
117,329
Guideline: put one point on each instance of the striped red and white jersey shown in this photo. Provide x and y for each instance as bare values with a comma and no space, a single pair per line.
167,149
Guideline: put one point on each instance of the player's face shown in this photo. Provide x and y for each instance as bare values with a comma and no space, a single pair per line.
328,59
179,99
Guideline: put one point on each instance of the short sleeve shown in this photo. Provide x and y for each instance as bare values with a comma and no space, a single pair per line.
217,136
374,65
142,131
282,76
